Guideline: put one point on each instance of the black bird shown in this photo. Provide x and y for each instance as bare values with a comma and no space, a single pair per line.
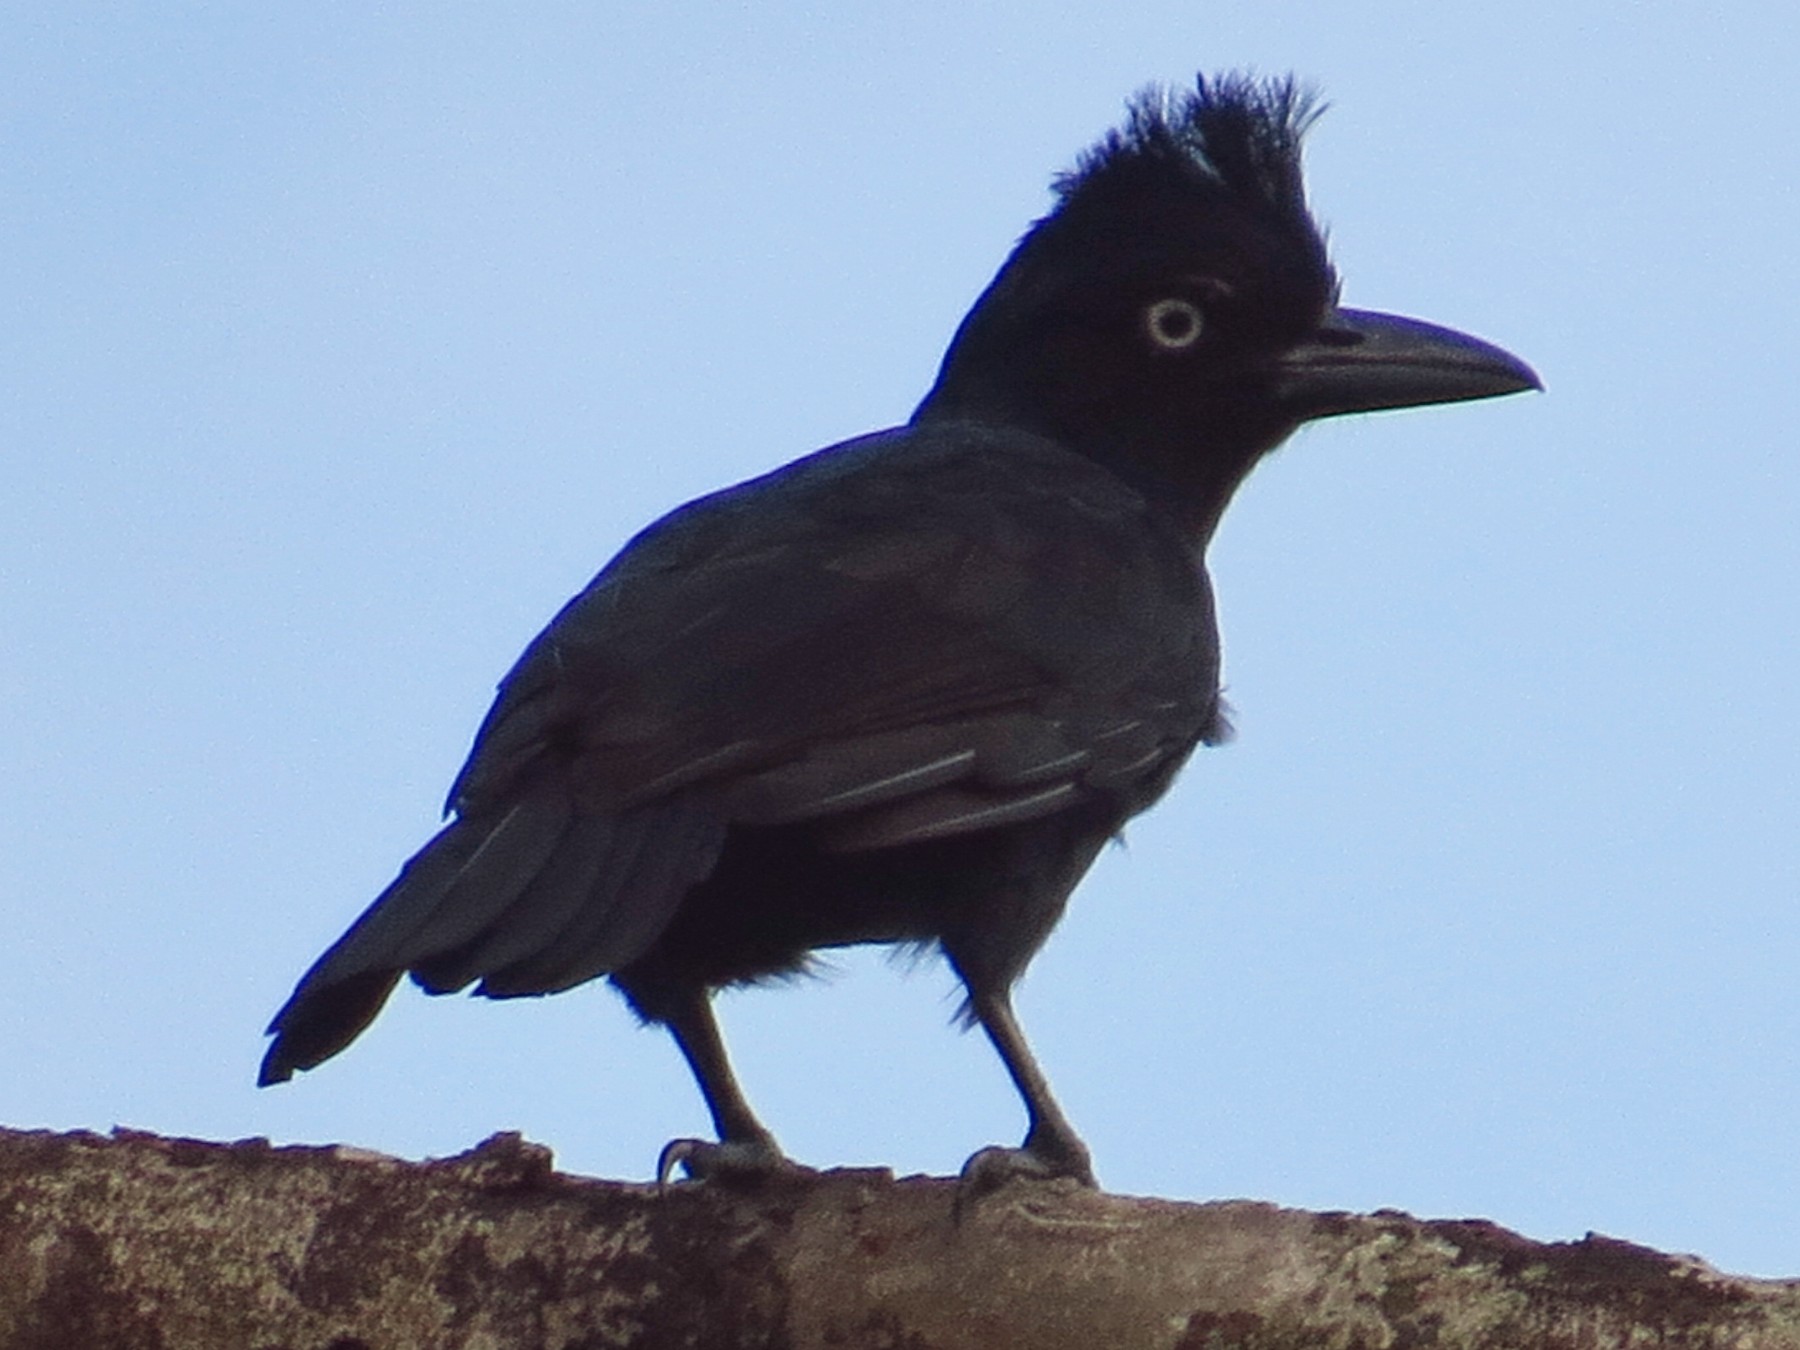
904,689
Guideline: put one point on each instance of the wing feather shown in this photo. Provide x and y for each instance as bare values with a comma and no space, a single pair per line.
834,643
929,632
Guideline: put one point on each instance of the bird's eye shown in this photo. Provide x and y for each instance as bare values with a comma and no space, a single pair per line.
1174,325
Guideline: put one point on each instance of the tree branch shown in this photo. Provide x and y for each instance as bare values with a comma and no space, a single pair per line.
140,1241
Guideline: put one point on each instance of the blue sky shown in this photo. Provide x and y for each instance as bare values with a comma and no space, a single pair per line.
345,342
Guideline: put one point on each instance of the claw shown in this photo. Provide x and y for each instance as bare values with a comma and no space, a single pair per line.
990,1169
732,1160
674,1153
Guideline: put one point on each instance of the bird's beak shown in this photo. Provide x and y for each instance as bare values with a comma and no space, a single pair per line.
1359,361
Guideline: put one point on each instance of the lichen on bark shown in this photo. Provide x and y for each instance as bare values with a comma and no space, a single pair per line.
139,1241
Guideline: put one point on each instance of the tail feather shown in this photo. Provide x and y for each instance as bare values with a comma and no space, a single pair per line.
542,910
535,973
683,853
530,903
660,853
394,916
309,1030
347,986
508,859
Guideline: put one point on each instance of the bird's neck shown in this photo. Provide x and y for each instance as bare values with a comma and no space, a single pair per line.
1187,473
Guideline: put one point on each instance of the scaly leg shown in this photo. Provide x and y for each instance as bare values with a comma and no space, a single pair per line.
1051,1148
745,1147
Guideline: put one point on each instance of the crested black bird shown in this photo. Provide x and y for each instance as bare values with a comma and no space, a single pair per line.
904,689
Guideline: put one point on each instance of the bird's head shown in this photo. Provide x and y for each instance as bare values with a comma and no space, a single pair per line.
1175,315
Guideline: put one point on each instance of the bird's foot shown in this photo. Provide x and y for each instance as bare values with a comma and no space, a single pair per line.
989,1169
731,1161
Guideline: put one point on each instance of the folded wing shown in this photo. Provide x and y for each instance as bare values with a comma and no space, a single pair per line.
904,639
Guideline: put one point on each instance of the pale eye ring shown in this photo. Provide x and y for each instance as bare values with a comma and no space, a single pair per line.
1174,325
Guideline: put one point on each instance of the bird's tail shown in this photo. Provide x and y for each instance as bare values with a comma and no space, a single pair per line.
528,900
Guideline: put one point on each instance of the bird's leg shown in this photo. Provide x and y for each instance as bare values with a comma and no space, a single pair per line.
745,1147
1051,1148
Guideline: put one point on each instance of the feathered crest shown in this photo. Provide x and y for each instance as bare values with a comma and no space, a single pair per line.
1204,182
1234,133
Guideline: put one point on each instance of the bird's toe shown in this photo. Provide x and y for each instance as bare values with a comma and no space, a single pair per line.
989,1169
732,1160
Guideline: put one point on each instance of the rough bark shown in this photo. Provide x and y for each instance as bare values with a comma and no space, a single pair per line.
138,1241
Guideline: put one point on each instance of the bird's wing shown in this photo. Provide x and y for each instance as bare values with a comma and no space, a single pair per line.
912,637
908,637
